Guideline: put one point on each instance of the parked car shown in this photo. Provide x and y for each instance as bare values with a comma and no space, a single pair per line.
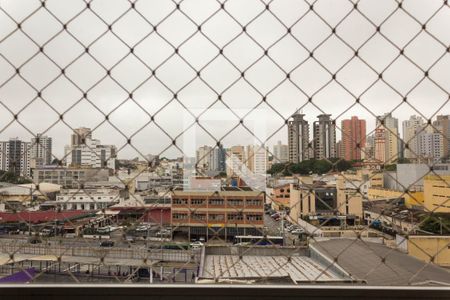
196,245
201,239
34,240
107,244
297,231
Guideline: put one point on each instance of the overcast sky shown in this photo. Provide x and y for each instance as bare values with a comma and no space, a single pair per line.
220,73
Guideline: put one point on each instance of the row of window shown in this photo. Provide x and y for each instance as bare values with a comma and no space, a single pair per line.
219,217
219,202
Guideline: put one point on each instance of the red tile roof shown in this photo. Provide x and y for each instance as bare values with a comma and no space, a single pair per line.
41,216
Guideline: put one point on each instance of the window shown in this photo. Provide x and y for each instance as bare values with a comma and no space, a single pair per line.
216,202
254,217
216,217
235,202
198,201
235,217
178,201
253,202
180,216
199,217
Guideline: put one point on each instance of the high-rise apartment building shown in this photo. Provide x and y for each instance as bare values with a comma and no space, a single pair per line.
353,138
211,158
324,137
235,160
280,153
204,158
41,151
387,145
257,159
430,145
15,157
442,125
410,143
298,138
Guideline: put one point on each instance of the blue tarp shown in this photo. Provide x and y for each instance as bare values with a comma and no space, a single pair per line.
20,277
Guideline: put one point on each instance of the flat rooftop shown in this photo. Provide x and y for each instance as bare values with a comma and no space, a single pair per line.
379,265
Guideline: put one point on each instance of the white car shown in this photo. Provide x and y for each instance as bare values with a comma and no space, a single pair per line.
297,231
196,245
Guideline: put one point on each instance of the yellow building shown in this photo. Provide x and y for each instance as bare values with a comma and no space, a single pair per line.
411,198
302,202
437,193
433,248
349,200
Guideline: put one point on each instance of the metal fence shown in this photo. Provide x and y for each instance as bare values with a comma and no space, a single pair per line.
169,77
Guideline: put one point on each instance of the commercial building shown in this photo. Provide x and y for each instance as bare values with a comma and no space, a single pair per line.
324,137
387,142
298,138
41,151
222,214
353,138
69,177
15,157
280,153
437,193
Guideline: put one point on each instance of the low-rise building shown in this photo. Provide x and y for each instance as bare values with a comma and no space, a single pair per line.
222,214
412,198
437,193
430,248
88,199
349,197
69,177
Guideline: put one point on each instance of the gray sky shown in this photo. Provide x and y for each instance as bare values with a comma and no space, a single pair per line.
265,75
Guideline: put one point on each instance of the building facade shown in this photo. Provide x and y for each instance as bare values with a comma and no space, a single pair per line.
437,193
410,129
298,138
223,214
69,177
353,138
442,125
15,157
87,152
41,151
280,153
324,137
387,142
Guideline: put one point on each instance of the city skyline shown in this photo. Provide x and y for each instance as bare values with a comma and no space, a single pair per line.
402,124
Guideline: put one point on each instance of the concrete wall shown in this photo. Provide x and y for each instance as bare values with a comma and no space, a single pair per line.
427,247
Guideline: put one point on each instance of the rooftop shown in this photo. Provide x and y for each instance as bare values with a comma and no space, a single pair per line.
382,266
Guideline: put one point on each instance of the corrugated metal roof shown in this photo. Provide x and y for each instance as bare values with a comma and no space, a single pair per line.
298,268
